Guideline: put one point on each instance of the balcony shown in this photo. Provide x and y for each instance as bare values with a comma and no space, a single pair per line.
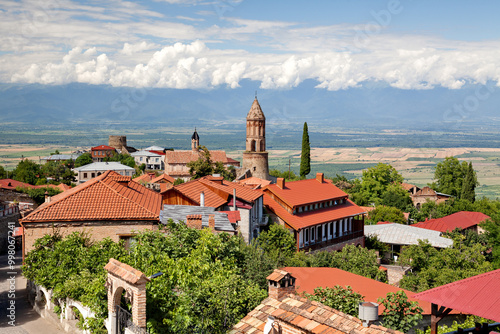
334,241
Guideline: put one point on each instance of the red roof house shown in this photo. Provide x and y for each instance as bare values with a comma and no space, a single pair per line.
466,220
320,215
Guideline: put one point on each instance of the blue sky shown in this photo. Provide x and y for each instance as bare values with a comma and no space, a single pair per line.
205,44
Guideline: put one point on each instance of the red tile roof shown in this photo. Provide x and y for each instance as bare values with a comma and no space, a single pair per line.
308,316
183,157
193,189
309,278
109,196
163,178
246,194
305,192
462,219
157,152
478,295
255,182
13,184
102,147
233,216
407,186
310,218
146,177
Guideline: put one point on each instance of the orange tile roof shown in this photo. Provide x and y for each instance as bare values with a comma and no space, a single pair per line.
308,316
109,196
12,184
125,272
310,218
255,182
163,178
305,192
193,189
146,177
245,193
102,147
233,216
183,157
309,278
462,219
407,186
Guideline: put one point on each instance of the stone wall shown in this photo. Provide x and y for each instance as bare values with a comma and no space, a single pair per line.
97,230
396,273
257,163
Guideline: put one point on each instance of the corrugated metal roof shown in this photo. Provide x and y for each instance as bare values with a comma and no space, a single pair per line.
398,234
104,166
478,295
180,212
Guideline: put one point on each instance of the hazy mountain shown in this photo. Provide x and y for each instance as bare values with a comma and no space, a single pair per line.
369,105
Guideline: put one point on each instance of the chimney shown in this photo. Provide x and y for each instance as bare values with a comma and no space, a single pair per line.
281,284
234,199
202,198
47,197
193,221
281,182
211,222
368,313
320,177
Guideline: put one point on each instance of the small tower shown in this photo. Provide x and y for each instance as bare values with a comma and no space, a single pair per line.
255,158
195,141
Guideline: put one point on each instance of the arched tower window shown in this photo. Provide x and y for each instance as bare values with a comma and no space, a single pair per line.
252,146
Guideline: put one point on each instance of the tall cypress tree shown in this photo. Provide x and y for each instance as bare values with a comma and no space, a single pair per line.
469,184
305,157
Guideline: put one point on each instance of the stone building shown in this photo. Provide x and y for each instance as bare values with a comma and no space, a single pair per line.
255,157
119,143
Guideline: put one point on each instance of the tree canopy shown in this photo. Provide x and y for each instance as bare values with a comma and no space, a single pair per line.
455,178
343,299
386,214
84,159
27,171
205,166
305,156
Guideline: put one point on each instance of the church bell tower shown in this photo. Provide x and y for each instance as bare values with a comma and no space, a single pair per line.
255,157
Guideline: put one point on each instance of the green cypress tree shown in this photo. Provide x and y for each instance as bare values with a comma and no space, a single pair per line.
469,185
305,157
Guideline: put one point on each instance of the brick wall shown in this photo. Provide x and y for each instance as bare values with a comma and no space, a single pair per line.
396,273
97,230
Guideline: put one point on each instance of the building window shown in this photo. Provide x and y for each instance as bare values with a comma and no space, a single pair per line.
319,234
140,158
330,230
311,207
312,234
93,175
305,208
84,175
316,206
307,236
128,241
300,209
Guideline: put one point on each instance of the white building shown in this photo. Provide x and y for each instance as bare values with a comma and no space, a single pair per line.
152,160
90,171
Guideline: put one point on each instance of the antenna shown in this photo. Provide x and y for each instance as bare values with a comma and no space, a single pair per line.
256,95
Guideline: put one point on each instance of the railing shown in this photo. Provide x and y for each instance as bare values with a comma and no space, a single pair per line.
124,320
331,242
9,211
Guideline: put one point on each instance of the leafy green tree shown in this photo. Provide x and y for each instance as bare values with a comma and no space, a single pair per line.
432,267
492,228
374,183
205,166
469,322
373,242
84,159
178,181
469,185
305,156
449,175
27,171
397,197
357,260
287,175
386,214
59,171
278,239
400,313
3,173
124,159
343,299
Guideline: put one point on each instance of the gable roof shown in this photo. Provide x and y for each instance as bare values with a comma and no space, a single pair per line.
461,219
183,157
309,278
163,178
180,212
145,178
144,153
109,196
102,147
408,186
125,272
310,218
246,194
254,182
104,166
303,192
13,184
193,189
308,316
399,234
478,295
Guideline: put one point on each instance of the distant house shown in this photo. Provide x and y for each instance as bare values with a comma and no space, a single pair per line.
466,220
59,157
287,313
95,169
427,194
320,215
101,152
410,188
176,161
222,195
110,205
157,183
152,160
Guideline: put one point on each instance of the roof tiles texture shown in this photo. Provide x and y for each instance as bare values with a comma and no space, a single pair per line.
478,295
462,219
194,188
244,193
109,196
308,316
305,192
125,272
102,147
183,157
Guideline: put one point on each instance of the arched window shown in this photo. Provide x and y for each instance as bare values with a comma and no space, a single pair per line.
252,146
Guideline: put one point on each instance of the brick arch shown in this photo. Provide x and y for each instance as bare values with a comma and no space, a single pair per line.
122,277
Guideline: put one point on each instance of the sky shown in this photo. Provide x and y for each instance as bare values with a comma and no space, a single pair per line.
207,44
